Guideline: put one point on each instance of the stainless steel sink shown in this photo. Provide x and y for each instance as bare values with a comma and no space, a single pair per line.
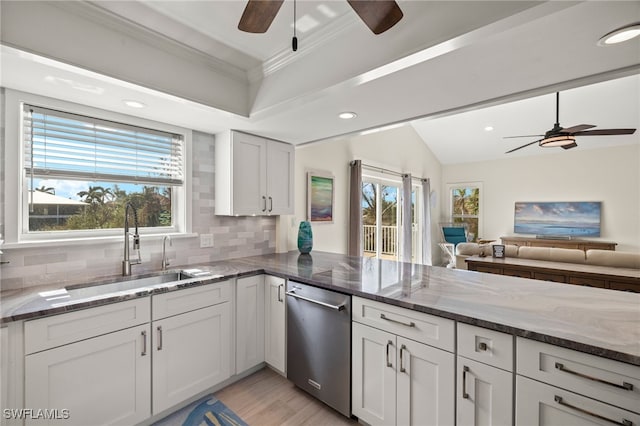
90,289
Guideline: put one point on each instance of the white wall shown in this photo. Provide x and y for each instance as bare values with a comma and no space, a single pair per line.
610,175
399,149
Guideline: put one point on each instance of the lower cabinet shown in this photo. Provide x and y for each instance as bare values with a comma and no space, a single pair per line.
190,354
102,380
275,346
541,404
400,381
250,324
485,394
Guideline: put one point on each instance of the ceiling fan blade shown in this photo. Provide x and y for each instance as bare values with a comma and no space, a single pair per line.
578,128
603,132
523,146
571,145
258,15
378,15
522,136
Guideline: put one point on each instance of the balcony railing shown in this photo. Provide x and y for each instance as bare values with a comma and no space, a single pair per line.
389,243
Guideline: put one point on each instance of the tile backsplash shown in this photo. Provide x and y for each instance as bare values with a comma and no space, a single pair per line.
232,236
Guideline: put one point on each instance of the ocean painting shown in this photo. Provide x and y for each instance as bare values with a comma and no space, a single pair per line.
562,219
320,198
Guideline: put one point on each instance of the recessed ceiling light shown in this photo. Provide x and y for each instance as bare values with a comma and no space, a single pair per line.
621,34
133,104
347,115
488,128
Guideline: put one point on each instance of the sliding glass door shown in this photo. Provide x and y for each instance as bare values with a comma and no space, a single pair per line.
381,219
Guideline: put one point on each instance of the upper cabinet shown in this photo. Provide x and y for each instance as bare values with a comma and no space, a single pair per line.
254,175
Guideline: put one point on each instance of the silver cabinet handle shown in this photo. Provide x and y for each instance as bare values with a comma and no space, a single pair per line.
402,369
624,422
483,346
264,203
389,343
410,324
144,343
159,337
624,385
280,297
317,302
465,370
270,204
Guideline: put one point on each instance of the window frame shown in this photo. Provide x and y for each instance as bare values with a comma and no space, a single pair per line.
458,185
16,203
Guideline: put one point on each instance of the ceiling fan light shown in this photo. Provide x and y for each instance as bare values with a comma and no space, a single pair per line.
621,34
555,141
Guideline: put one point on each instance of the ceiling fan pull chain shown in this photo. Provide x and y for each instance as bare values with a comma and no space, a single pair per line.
557,109
294,41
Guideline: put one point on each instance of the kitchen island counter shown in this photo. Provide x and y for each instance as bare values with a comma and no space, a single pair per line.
592,320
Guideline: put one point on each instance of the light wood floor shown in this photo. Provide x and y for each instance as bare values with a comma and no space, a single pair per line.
267,399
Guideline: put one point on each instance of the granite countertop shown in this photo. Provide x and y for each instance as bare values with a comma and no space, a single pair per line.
592,320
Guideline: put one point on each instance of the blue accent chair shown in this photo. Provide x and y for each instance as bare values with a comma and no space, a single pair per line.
454,234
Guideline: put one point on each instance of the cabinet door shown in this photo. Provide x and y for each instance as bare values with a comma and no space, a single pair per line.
373,390
190,354
249,174
545,405
275,332
249,322
485,394
103,380
280,169
425,384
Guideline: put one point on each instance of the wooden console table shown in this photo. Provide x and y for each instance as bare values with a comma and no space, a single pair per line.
571,244
570,273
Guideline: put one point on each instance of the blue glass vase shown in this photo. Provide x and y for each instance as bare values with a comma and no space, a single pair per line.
305,237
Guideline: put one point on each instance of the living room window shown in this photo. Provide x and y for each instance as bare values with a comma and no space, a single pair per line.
465,206
78,167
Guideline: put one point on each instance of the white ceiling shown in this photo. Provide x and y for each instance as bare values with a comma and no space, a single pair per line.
450,68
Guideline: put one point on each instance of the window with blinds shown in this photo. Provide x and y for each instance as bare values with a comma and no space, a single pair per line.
81,171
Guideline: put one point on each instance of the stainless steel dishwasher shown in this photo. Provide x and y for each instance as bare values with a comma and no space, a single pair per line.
319,344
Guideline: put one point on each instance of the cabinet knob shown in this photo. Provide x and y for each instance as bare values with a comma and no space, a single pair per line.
483,346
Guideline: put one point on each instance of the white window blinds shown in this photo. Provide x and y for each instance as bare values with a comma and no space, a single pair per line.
64,145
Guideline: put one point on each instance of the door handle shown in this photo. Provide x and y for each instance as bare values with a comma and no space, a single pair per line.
465,370
389,343
402,349
560,401
280,297
317,302
144,343
624,385
270,204
264,203
159,337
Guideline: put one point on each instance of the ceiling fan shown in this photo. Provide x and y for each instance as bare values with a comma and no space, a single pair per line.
566,137
378,15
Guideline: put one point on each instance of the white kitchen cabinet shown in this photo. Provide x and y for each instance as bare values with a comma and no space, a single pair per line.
254,175
485,394
102,380
275,332
540,404
250,324
190,354
484,377
400,381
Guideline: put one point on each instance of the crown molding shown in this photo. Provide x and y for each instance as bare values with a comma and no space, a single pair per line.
307,45
159,41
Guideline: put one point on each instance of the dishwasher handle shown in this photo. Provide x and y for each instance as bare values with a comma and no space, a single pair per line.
340,307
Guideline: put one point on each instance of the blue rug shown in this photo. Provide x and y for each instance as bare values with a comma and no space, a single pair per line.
208,411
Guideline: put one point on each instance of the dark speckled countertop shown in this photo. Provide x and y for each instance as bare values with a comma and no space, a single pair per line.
592,320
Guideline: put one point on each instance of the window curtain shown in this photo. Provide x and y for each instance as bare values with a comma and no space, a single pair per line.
355,209
426,222
406,229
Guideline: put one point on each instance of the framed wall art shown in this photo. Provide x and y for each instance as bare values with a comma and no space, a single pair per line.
320,197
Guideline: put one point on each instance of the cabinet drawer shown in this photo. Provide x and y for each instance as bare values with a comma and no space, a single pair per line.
489,269
591,282
517,273
541,404
603,379
487,346
180,301
424,328
46,333
557,278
